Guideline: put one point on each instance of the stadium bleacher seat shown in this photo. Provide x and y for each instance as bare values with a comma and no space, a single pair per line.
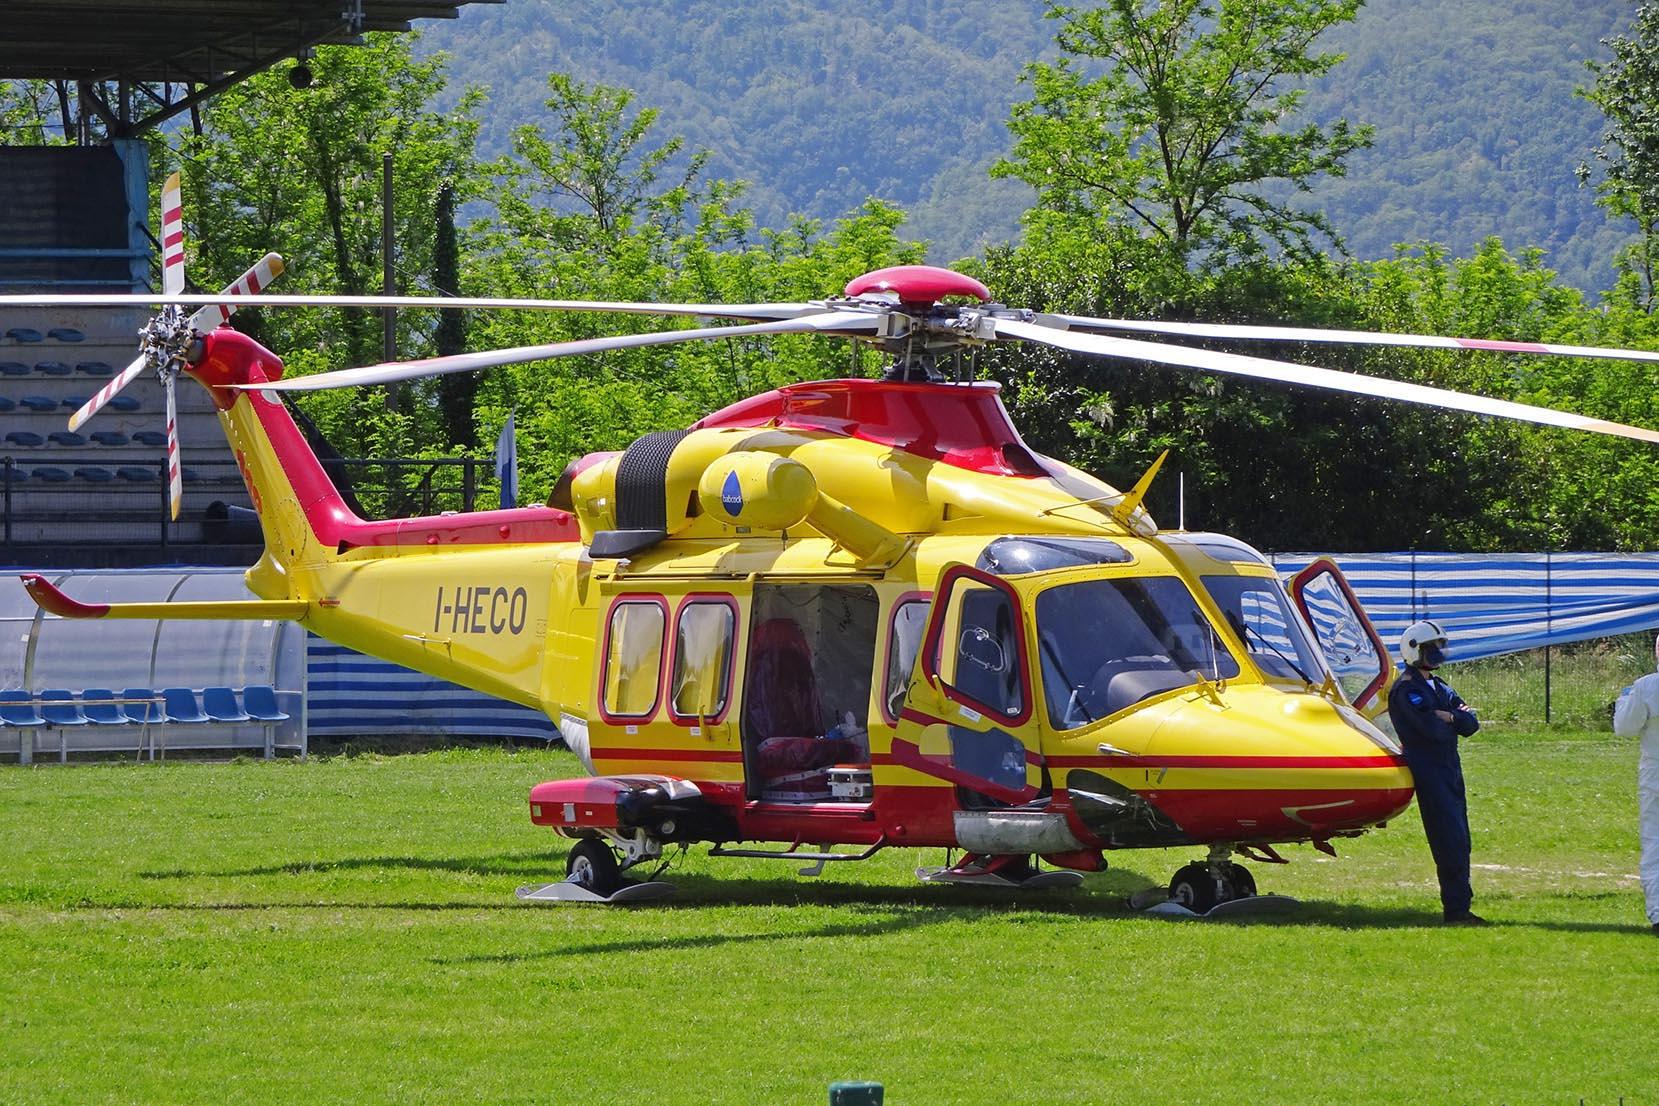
25,438
179,705
23,334
219,704
149,437
74,403
94,474
52,368
66,334
95,368
260,701
51,474
66,438
125,403
39,403
13,368
110,437
61,711
138,474
101,709
190,476
142,705
14,475
7,403
19,712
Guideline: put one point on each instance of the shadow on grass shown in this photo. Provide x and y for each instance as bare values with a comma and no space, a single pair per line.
533,864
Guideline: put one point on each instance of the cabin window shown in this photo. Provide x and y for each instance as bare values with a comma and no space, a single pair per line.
903,643
1105,645
979,653
702,672
633,658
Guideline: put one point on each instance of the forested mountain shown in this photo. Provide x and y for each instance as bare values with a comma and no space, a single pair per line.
1478,131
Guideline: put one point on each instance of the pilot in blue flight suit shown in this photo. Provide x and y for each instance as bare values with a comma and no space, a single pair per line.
1429,717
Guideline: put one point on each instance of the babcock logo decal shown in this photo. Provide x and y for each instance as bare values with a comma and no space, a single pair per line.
731,495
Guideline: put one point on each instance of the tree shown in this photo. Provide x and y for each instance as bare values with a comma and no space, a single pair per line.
1184,134
1627,92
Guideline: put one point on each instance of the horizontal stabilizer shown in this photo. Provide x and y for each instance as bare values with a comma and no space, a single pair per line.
53,601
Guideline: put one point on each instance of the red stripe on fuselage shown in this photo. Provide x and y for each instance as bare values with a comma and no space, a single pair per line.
1102,760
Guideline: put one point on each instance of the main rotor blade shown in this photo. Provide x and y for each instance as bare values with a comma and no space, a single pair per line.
1347,337
1309,376
259,276
172,237
839,322
756,311
106,393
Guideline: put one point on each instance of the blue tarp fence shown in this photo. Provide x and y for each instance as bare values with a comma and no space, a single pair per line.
1495,603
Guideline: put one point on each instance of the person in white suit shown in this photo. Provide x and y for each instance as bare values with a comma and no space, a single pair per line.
1637,713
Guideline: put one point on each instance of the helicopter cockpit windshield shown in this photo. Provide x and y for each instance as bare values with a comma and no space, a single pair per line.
1259,613
1108,643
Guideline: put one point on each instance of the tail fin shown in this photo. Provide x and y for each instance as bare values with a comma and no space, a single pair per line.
305,518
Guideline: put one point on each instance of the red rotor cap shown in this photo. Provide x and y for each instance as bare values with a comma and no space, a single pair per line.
919,284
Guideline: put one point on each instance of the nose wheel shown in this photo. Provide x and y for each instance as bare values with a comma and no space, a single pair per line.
1204,884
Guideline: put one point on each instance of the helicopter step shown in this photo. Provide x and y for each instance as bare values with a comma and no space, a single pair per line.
999,871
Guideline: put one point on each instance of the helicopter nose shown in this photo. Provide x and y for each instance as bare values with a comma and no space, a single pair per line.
1276,767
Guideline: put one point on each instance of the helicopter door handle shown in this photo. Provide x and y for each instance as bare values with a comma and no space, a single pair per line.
1113,750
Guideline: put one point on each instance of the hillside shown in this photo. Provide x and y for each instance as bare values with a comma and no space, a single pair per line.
1478,131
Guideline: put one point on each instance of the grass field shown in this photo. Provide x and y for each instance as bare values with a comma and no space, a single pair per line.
344,930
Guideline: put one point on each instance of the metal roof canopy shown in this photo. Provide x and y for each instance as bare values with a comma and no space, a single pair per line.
146,47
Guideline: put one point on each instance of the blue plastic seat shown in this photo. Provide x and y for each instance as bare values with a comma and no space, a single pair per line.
141,705
95,368
219,704
66,438
100,708
13,368
190,476
149,437
94,474
26,438
125,403
59,708
39,403
14,475
137,474
74,403
66,334
7,403
18,710
52,368
110,437
23,334
51,474
179,705
260,701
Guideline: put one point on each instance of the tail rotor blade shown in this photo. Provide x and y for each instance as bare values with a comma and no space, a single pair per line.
175,481
250,283
172,237
106,393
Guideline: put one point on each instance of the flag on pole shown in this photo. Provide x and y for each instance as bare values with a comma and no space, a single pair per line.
506,464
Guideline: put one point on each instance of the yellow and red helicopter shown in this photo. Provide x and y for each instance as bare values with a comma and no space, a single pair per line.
845,615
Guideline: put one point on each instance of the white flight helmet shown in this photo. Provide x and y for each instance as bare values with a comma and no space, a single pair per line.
1424,644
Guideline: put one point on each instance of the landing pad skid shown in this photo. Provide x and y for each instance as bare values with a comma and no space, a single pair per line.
1153,900
1039,881
568,891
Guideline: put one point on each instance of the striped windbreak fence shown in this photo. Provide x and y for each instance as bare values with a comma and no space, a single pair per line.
1494,603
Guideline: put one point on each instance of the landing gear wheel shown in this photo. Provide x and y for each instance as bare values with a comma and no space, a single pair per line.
1195,887
1242,884
592,866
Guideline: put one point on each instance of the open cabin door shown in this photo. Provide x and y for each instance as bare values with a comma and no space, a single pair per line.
1352,647
967,716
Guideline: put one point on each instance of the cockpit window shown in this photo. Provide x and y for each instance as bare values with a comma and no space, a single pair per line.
1107,644
1260,614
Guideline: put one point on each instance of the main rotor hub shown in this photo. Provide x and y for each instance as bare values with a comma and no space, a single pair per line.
918,284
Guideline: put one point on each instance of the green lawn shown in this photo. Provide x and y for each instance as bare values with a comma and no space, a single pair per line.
344,930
